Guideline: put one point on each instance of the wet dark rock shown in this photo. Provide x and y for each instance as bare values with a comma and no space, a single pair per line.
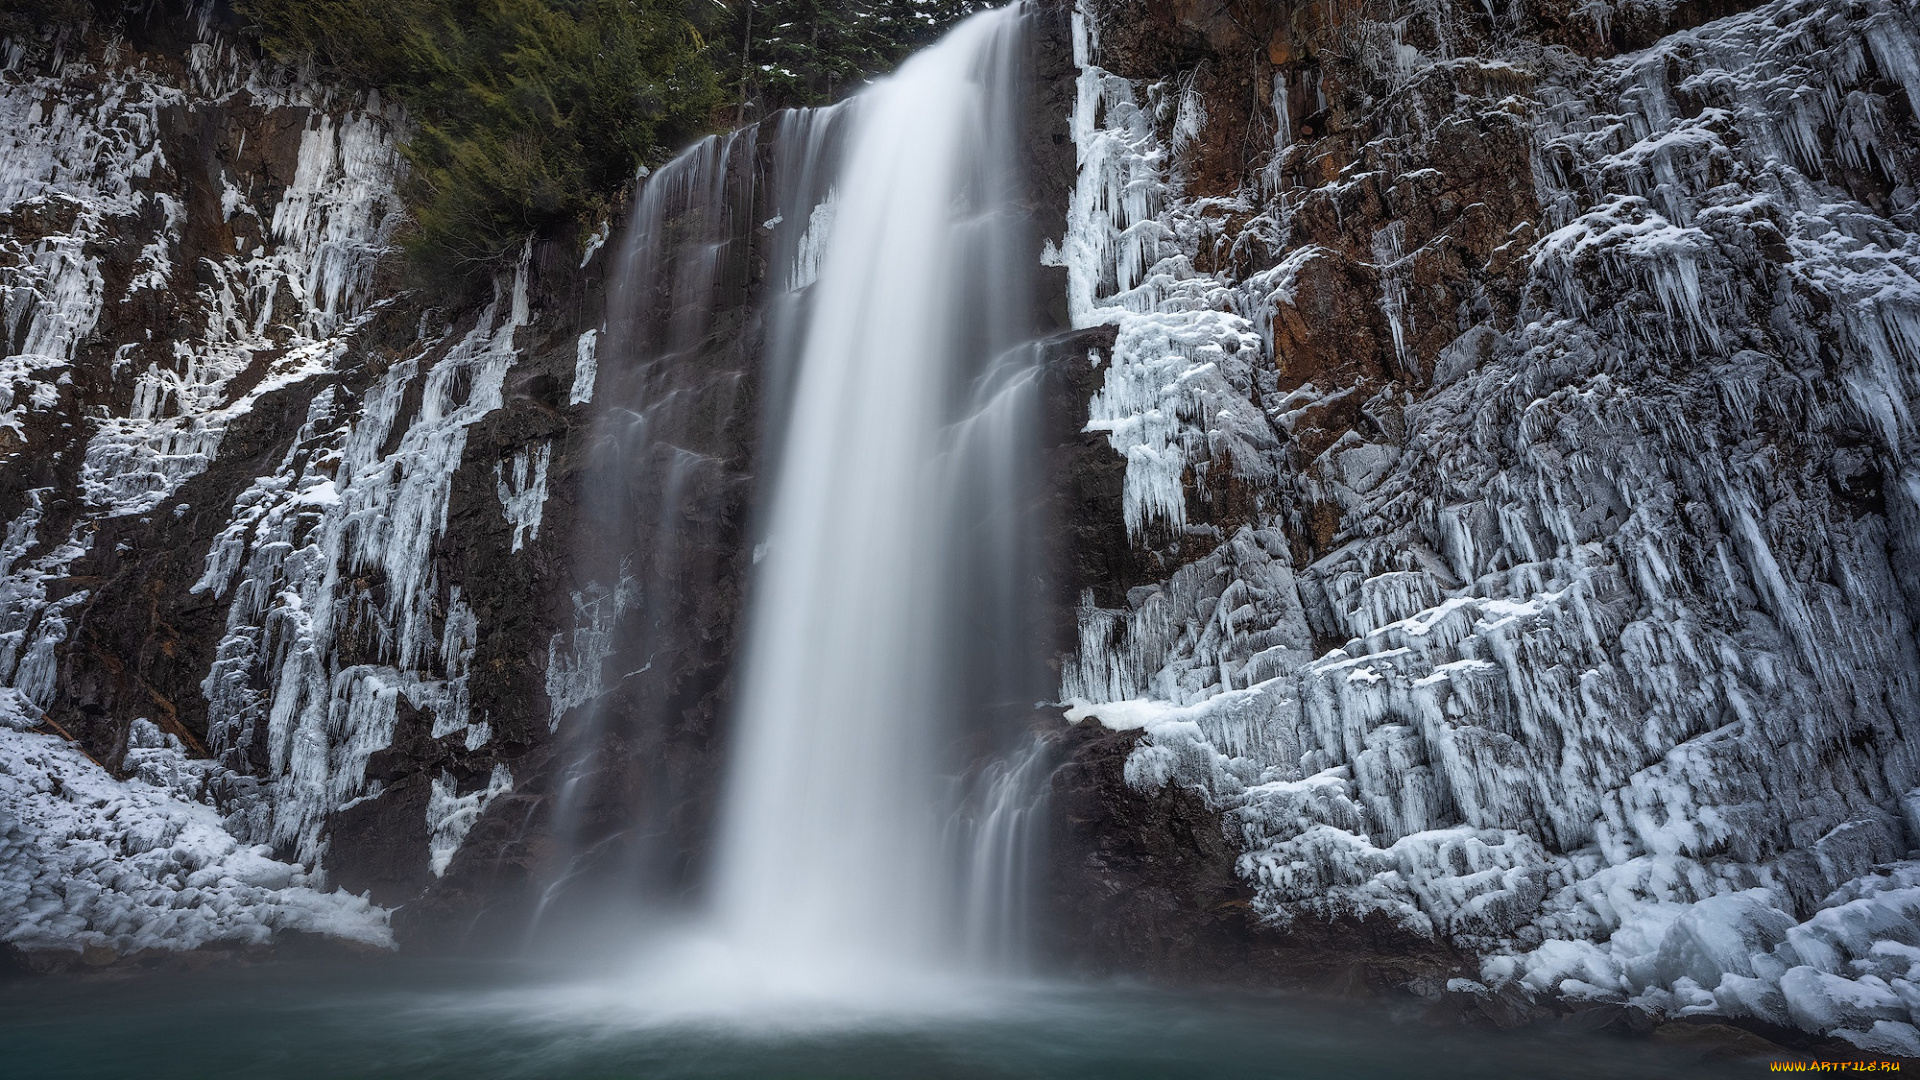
1607,1018
1717,1042
1144,883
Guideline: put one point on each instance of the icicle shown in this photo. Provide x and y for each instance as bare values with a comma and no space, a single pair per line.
450,817
522,488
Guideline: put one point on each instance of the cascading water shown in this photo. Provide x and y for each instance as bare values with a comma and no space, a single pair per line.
861,272
653,520
888,651
706,312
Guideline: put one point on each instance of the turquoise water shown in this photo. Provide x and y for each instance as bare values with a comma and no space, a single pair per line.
476,1022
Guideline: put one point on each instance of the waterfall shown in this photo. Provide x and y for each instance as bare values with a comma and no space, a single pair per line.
871,823
860,273
652,522
707,287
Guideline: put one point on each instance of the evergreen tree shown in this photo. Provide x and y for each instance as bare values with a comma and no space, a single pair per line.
529,113
793,53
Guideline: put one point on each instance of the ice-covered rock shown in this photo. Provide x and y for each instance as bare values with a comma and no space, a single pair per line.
190,245
369,491
1720,936
1581,632
88,181
451,816
90,861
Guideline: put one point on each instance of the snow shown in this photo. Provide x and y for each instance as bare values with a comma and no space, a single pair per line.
1848,970
90,861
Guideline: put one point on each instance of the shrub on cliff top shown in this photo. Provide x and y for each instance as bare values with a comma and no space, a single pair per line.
529,113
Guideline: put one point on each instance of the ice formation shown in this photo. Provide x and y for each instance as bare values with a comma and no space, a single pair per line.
92,167
1602,711
586,368
1609,679
522,486
1177,385
450,816
85,164
343,504
90,861
575,658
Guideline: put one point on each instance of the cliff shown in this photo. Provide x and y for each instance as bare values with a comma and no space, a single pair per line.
1515,415
259,498
1484,483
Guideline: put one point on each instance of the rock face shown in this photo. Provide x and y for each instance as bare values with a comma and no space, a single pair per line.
449,598
256,496
1487,511
1517,427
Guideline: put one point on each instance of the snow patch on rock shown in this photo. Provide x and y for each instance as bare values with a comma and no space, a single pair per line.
87,860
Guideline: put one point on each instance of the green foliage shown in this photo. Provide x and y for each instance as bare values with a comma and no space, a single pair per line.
361,41
788,53
529,113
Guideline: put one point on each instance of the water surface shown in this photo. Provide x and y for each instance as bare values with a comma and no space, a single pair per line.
480,1021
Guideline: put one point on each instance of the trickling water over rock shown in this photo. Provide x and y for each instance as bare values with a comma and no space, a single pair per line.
636,677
